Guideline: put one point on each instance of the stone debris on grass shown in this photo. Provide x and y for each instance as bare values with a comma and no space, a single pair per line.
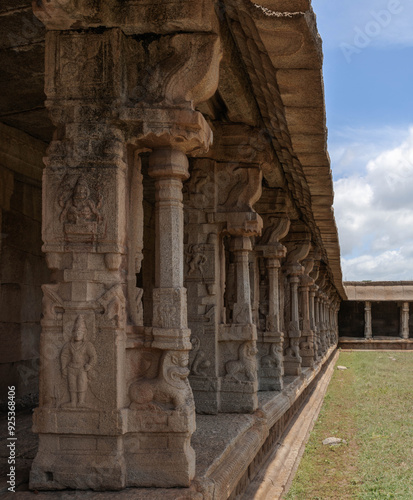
333,441
342,368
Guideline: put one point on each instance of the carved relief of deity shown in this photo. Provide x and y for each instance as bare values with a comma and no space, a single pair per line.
80,214
78,357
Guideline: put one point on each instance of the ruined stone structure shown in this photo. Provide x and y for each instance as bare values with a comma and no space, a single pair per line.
379,312
192,254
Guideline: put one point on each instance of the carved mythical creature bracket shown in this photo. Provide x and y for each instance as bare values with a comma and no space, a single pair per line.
245,367
170,390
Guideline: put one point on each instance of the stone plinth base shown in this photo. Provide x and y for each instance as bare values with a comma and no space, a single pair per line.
78,462
379,343
308,360
230,449
103,462
292,367
271,383
238,396
206,391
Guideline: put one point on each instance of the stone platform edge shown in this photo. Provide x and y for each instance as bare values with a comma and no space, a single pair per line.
379,344
228,475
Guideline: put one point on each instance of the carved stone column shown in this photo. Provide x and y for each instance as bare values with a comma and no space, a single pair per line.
317,305
307,349
238,337
404,320
368,333
239,385
297,251
271,369
85,200
111,389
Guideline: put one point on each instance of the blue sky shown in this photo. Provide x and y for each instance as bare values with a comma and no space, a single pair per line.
368,73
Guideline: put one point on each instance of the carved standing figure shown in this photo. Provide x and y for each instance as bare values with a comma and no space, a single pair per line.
195,259
78,357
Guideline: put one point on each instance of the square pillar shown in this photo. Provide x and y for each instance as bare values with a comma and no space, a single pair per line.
404,320
368,333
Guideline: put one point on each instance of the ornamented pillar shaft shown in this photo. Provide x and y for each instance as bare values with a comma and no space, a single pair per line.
271,369
241,247
404,323
307,345
238,337
297,252
317,322
368,332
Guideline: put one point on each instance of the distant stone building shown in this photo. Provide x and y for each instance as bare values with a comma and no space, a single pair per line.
377,311
190,259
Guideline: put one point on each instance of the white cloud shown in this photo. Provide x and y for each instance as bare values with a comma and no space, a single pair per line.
374,212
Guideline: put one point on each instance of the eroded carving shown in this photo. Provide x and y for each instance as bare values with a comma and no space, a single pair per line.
169,391
271,364
243,190
113,303
293,351
78,206
197,360
80,214
245,367
196,259
78,357
52,303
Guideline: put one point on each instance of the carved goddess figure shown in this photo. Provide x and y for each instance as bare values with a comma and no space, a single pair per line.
80,208
78,357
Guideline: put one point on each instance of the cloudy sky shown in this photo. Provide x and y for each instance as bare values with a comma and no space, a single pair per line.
368,72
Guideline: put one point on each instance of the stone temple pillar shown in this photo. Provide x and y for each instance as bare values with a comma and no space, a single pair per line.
83,340
238,339
271,369
368,333
307,350
116,408
404,320
292,359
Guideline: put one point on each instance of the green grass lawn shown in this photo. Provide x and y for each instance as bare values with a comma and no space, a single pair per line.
370,406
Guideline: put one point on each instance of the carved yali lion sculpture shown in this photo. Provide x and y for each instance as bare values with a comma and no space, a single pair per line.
271,363
245,367
170,390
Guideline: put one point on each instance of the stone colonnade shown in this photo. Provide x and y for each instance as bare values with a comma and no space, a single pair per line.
404,320
151,234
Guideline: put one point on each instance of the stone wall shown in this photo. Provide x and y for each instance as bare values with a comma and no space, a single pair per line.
22,265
